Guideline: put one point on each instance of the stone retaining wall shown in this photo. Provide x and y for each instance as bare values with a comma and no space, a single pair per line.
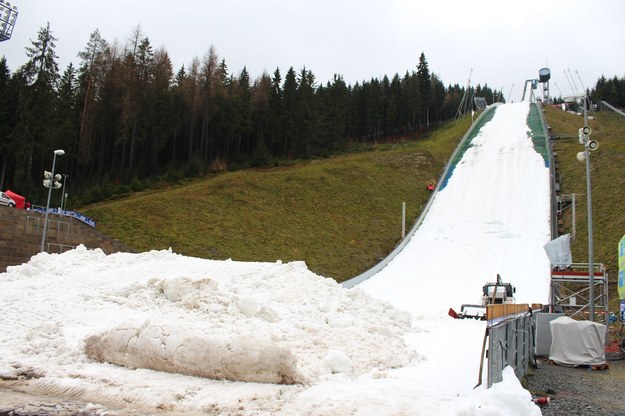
21,232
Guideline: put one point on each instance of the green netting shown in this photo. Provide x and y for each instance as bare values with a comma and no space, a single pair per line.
475,129
537,132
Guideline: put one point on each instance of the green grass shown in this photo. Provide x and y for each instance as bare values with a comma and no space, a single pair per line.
607,186
340,215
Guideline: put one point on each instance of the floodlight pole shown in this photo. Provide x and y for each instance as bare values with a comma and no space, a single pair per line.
63,194
58,152
591,257
8,15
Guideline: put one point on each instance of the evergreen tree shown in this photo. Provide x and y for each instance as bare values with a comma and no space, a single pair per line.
393,119
425,90
333,114
67,116
92,73
260,117
438,100
244,113
209,89
8,107
160,118
275,114
36,104
305,116
412,103
289,113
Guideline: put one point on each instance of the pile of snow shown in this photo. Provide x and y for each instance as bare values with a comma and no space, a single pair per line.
264,322
509,394
173,323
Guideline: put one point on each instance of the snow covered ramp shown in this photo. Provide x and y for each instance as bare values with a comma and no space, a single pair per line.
493,217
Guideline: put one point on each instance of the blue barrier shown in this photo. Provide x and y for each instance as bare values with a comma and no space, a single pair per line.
90,222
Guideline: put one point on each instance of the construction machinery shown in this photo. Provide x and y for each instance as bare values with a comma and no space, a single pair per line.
492,293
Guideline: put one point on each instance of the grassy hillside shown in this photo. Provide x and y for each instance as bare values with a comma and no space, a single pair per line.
607,185
340,215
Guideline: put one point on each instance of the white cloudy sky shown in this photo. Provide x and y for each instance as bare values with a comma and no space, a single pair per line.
501,43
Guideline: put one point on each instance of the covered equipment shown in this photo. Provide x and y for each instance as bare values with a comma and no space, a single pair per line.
577,343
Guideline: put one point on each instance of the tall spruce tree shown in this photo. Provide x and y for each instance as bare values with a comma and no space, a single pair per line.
425,91
67,115
260,116
305,115
289,125
275,113
160,116
36,105
92,73
8,107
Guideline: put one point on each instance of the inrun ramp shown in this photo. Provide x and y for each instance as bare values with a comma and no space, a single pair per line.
491,215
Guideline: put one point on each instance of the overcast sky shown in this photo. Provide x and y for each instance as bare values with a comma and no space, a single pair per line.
495,42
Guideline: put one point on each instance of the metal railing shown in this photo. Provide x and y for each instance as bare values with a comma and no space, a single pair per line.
35,223
59,248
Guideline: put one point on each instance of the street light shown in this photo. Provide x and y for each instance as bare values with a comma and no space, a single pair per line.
63,195
50,183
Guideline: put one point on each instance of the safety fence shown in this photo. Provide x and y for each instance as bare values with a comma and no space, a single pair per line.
510,339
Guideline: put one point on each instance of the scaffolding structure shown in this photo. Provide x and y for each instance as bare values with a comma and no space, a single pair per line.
571,291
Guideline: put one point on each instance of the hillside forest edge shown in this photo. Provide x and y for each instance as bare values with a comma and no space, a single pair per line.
127,121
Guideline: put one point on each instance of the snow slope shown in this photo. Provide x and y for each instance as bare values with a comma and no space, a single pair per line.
491,218
125,330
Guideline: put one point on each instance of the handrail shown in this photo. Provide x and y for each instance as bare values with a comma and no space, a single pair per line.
611,107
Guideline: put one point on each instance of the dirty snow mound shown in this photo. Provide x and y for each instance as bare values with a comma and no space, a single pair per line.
177,350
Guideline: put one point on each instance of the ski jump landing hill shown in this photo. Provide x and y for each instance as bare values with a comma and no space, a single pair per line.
490,214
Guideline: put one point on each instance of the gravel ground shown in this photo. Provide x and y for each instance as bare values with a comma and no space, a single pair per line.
579,391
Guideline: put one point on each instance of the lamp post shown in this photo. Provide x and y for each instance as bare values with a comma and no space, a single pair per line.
589,145
63,194
49,183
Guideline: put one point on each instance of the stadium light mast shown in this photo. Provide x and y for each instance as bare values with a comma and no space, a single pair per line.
50,181
589,145
8,15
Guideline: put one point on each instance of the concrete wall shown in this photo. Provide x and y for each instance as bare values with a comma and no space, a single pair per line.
21,232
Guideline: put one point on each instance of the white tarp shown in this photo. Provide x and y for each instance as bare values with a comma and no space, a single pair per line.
577,342
559,251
